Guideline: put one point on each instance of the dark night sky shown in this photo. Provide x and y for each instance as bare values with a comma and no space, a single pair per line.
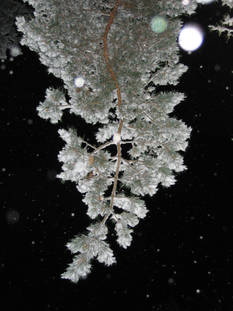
181,255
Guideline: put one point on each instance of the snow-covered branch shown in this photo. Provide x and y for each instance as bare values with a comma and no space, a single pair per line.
111,56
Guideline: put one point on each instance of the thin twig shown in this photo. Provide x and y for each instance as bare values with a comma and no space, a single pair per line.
109,67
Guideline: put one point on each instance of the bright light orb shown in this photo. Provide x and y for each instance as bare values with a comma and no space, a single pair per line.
158,24
190,37
79,82
15,51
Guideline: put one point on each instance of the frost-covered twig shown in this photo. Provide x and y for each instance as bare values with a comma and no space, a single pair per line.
226,25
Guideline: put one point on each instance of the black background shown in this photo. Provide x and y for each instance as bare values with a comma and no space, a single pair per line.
181,255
